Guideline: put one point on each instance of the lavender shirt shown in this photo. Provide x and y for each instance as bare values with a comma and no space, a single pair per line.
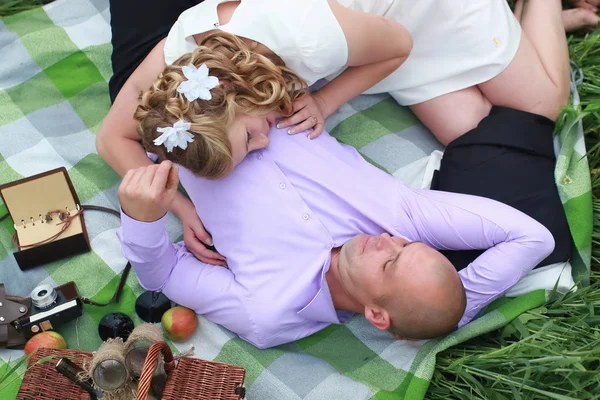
279,214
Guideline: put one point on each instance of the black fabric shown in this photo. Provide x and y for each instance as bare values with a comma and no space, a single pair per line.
508,157
137,26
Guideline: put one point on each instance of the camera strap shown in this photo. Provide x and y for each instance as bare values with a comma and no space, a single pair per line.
11,309
124,274
118,291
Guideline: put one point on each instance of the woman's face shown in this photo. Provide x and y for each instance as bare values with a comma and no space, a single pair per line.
250,132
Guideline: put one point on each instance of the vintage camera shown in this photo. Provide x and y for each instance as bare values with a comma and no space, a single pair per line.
50,308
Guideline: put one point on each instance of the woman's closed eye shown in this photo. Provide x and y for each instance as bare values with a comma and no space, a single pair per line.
248,138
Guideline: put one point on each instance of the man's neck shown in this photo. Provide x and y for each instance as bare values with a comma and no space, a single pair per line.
341,299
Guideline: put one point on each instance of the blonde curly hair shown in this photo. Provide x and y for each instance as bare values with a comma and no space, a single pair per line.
250,83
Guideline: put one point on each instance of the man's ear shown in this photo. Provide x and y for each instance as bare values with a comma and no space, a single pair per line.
378,317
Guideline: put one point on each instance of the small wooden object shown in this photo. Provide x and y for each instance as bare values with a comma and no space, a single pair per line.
38,206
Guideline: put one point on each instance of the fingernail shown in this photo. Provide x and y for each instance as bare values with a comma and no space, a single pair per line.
291,132
209,242
278,125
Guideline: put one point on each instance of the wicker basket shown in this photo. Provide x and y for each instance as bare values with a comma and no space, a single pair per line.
188,378
41,381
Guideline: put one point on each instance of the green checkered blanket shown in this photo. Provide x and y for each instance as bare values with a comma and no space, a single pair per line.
55,63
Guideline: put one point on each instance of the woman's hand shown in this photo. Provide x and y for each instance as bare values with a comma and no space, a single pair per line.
591,5
310,111
195,237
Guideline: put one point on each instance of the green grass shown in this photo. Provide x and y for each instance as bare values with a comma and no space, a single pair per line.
552,352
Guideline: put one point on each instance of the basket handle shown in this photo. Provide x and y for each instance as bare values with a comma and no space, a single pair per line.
150,366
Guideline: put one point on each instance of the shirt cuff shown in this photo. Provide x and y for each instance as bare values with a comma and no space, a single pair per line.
144,234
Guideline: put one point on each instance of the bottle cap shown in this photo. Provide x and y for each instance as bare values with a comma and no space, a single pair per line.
150,306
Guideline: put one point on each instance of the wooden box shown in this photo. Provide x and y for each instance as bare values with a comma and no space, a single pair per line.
39,207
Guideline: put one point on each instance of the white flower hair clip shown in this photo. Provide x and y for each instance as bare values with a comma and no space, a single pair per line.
175,136
198,84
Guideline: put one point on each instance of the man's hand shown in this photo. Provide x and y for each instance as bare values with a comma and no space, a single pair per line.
146,193
309,112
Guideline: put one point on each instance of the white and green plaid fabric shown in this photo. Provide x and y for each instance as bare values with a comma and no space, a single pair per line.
54,68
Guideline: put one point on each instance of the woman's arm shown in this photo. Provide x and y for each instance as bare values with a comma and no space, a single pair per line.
311,111
118,143
352,82
371,38
377,47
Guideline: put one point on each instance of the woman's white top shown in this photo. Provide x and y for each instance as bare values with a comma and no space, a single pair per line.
303,33
456,43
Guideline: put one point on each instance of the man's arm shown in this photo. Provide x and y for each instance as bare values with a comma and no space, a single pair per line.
170,268
515,242
145,195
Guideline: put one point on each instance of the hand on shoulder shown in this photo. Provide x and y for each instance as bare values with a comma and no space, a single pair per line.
309,113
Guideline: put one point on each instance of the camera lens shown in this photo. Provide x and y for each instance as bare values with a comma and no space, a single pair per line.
43,296
110,374
136,356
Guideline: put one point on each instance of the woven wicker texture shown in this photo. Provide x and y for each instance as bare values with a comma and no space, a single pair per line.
41,381
192,379
204,380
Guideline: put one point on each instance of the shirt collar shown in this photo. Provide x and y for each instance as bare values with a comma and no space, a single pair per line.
320,308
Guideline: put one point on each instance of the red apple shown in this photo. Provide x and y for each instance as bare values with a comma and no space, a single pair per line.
179,323
48,339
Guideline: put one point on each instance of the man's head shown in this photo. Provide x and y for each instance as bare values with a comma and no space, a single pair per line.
405,287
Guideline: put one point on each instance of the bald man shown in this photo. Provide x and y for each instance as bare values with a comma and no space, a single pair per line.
313,233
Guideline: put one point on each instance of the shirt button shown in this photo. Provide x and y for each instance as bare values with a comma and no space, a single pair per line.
259,156
497,41
305,217
282,185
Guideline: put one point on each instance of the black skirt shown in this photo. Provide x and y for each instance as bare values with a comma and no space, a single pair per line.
137,26
508,157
